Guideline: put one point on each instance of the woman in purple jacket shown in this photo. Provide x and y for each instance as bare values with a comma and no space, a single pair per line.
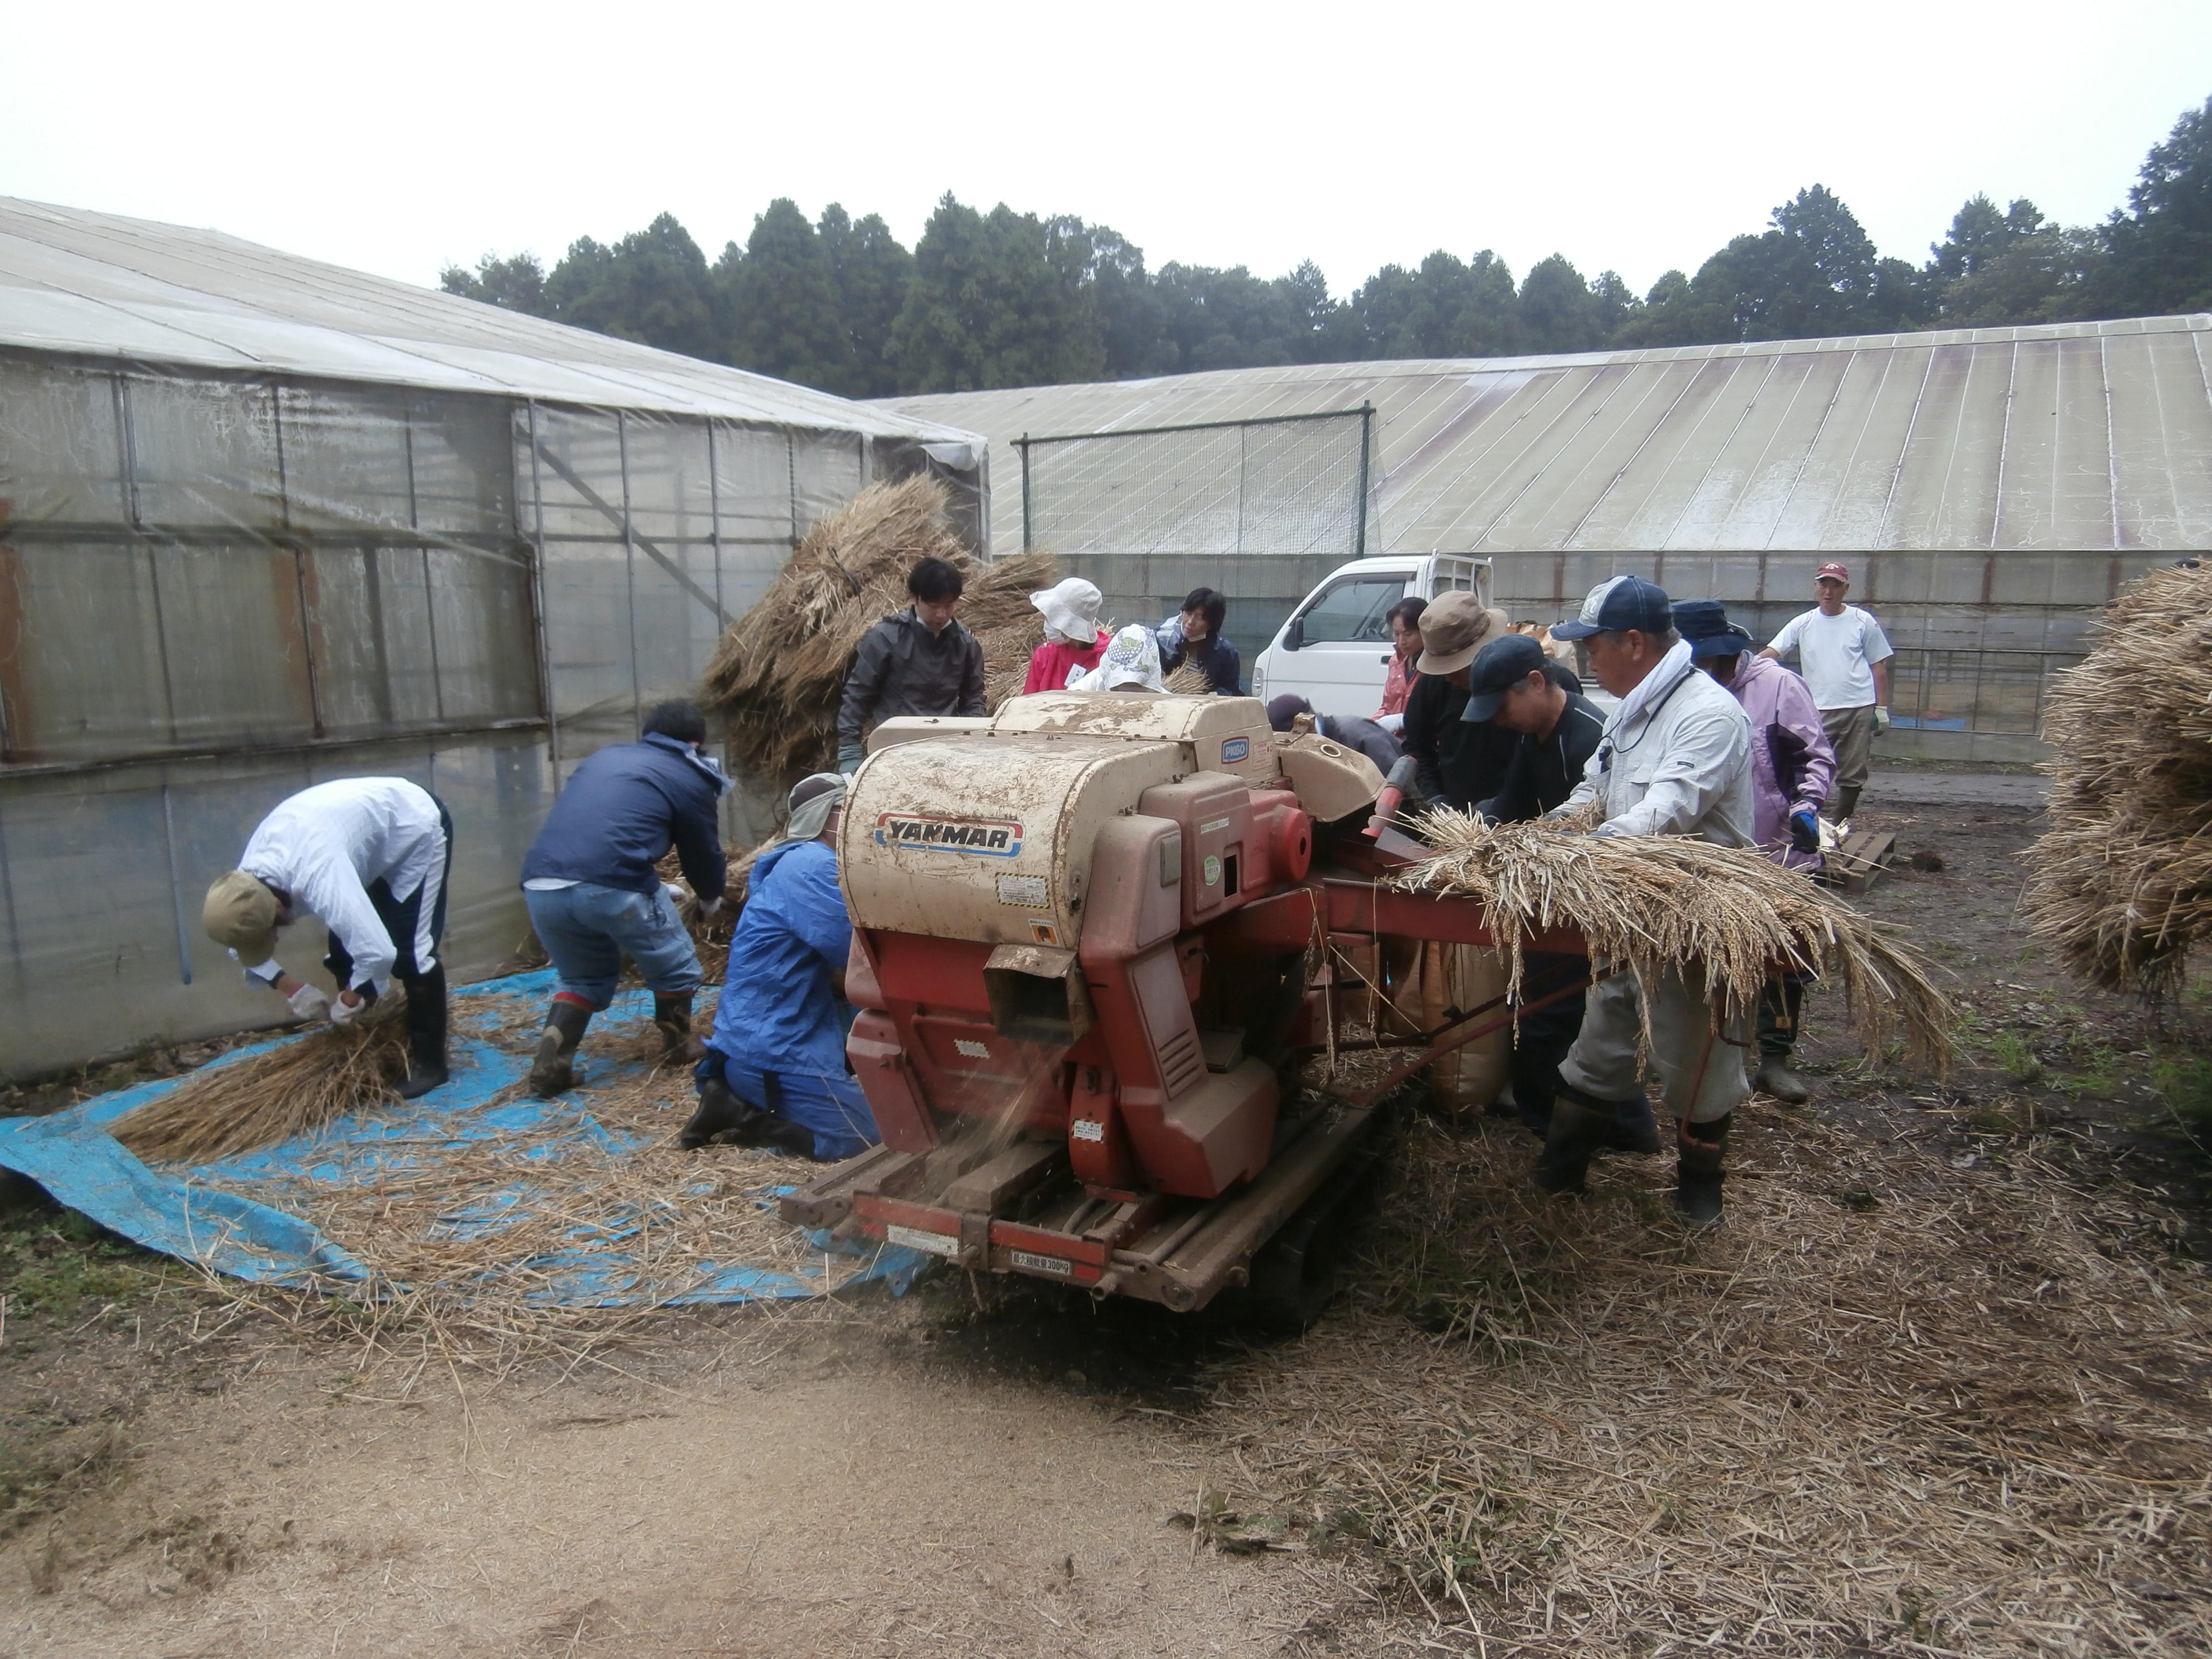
1793,767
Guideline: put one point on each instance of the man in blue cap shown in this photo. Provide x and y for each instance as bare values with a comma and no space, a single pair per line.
1674,760
1556,730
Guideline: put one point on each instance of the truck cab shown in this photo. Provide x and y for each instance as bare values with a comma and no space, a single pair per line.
1335,648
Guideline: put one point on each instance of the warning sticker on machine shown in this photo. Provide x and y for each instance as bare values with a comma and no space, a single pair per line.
916,1239
1085,1129
1030,890
991,838
1212,824
1043,1264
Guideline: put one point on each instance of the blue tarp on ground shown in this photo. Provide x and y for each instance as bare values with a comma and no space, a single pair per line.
177,1211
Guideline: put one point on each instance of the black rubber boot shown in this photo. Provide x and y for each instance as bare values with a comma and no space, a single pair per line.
1580,1125
722,1119
426,1034
1780,1005
672,1014
778,1134
553,1069
1698,1179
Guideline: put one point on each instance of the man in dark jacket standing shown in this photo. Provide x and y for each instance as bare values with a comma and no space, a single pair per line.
1456,762
595,897
1514,687
921,661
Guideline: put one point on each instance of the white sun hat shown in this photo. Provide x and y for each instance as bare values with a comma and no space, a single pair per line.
1070,610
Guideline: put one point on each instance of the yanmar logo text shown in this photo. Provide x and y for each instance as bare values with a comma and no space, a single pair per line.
990,838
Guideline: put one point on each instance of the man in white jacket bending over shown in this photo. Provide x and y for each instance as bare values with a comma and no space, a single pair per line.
369,856
1674,760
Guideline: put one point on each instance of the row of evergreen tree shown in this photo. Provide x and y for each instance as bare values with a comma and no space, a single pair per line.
1001,298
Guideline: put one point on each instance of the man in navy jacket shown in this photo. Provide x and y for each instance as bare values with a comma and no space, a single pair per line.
595,897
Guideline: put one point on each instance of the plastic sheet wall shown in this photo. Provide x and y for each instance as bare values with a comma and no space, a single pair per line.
215,590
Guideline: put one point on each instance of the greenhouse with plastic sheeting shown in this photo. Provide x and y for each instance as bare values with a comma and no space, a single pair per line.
264,522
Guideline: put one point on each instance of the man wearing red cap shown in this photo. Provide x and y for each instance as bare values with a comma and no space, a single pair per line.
1844,658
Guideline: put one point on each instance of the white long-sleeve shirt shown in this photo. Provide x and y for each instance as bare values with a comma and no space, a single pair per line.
324,846
1680,764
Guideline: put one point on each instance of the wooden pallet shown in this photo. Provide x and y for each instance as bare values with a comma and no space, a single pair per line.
1854,867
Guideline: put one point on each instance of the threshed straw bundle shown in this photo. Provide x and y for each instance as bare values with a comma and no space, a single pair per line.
2121,883
292,1091
1659,902
780,670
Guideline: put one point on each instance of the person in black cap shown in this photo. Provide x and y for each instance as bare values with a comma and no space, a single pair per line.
1675,760
1555,733
1284,712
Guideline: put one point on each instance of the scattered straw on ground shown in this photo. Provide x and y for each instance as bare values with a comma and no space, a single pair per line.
2121,883
1663,902
779,672
1891,1405
293,1090
438,1240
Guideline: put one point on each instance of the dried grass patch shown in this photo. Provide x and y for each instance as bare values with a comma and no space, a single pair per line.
2121,883
1889,1407
779,673
296,1089
1669,901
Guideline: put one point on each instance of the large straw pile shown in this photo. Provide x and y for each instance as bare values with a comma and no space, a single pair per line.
295,1089
1663,902
2121,883
780,670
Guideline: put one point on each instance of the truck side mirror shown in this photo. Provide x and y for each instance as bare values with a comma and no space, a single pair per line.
1294,636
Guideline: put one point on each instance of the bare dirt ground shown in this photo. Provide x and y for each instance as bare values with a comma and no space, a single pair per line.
1943,1385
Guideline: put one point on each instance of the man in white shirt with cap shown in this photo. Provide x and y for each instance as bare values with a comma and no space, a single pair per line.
1844,657
1674,759
370,857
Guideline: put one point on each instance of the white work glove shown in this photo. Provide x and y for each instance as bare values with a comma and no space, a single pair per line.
343,1012
710,909
308,1002
1881,718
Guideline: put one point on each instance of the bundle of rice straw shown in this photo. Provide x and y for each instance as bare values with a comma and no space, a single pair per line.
779,672
1660,902
296,1090
2121,883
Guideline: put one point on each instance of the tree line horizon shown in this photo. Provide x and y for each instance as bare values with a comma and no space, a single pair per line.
989,299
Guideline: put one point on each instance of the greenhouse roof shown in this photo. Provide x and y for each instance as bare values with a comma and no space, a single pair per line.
2075,436
97,284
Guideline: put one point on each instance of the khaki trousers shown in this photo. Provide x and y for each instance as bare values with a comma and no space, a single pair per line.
1850,734
1700,1071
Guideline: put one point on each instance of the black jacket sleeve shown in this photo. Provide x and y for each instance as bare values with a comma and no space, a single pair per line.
1516,799
972,700
1222,667
864,683
699,847
1420,735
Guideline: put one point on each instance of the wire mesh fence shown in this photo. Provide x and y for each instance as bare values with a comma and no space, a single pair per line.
1289,485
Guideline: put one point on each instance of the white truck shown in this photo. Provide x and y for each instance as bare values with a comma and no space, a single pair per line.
1335,648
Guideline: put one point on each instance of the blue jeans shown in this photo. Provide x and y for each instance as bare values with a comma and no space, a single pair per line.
587,930
832,1109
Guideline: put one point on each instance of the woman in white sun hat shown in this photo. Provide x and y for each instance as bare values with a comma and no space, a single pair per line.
1072,639
1132,663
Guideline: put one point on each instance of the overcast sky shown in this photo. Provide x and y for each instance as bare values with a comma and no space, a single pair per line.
401,136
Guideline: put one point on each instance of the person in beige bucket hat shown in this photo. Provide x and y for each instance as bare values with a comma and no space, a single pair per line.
1456,762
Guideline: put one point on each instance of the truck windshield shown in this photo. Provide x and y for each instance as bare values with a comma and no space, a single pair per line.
1356,611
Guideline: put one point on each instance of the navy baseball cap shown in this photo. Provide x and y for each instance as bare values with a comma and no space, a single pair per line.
1498,667
1617,605
1705,624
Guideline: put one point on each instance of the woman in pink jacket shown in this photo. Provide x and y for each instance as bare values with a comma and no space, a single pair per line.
1792,769
1072,639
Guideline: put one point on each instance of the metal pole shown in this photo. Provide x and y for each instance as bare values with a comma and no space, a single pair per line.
1366,430
176,888
629,568
545,638
1022,443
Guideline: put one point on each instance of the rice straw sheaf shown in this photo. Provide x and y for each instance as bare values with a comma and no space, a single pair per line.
779,672
295,1089
2121,883
1663,901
